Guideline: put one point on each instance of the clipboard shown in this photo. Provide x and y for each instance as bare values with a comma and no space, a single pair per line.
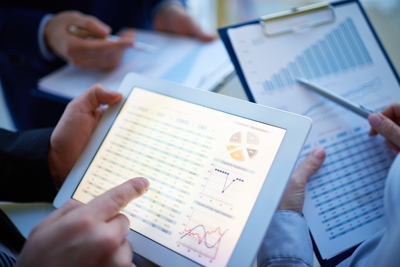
223,32
330,17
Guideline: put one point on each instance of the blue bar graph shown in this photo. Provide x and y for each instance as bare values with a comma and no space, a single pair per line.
340,50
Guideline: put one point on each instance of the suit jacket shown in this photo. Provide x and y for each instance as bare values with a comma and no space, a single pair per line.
24,176
21,63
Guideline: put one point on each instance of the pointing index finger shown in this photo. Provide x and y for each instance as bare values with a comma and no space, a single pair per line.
110,203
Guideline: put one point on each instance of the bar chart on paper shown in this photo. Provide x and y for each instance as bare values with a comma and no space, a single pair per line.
340,50
340,57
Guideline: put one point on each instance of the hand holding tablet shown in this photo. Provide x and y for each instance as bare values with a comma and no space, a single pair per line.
218,167
74,129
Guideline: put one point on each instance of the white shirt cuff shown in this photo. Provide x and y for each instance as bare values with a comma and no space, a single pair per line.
42,45
287,242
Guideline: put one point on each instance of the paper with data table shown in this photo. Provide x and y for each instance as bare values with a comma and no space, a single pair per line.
201,192
344,199
177,59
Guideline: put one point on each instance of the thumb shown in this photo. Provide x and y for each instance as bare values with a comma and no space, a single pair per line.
310,165
386,127
94,97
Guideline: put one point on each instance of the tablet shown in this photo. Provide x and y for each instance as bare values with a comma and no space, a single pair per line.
217,167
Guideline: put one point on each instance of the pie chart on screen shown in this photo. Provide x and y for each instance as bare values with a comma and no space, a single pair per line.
243,146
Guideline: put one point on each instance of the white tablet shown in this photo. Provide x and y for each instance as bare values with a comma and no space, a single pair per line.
217,167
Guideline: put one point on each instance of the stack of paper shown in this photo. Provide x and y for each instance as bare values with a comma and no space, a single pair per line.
178,59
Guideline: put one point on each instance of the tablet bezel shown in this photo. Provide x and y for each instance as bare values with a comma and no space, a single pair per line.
297,129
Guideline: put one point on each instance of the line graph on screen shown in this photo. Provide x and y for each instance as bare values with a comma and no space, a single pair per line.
224,185
203,234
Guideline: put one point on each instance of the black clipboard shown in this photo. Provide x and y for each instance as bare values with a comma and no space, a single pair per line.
223,32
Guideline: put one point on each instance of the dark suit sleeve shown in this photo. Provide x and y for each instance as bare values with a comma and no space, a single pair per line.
19,36
24,170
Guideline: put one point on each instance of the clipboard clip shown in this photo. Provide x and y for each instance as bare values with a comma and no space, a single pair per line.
297,18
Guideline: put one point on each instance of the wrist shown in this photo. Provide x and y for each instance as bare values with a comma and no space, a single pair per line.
162,16
295,205
290,210
170,7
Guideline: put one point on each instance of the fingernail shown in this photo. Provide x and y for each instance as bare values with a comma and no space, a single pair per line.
319,153
375,119
145,183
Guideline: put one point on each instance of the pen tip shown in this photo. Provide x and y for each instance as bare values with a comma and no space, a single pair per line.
301,80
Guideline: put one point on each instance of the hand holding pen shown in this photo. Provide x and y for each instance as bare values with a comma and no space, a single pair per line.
75,30
386,123
85,53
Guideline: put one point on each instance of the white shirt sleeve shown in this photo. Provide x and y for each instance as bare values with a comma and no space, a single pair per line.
42,45
287,242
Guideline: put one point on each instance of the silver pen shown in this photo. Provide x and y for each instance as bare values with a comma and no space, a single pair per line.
74,30
338,99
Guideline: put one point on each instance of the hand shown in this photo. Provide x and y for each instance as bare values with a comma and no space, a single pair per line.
174,18
74,129
85,53
85,235
293,198
387,124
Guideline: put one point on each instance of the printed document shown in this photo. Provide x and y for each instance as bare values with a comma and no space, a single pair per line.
344,199
178,59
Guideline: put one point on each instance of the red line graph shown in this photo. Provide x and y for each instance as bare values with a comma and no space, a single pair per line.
190,233
203,239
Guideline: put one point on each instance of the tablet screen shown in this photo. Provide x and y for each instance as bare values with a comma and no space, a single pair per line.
205,167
